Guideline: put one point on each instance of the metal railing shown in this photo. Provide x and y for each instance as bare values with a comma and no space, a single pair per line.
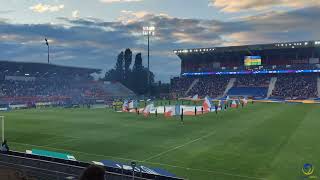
47,168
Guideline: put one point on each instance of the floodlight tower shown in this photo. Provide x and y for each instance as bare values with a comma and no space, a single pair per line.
47,43
148,31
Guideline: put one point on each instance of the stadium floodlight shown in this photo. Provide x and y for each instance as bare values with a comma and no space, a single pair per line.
148,31
47,43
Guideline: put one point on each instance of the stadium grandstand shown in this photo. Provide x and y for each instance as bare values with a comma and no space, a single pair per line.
25,84
280,70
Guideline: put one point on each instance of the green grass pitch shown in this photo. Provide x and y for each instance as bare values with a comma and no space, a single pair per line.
260,141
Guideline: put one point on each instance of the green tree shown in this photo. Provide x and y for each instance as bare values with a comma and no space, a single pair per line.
116,74
119,68
139,76
135,79
138,62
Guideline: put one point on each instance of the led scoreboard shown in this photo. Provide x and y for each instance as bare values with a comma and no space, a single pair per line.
252,60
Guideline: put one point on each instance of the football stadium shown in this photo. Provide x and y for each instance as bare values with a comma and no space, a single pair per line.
238,112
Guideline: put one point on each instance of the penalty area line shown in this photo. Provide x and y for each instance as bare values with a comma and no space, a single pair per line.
180,146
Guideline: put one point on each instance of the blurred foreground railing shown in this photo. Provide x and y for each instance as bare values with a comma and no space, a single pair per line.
16,165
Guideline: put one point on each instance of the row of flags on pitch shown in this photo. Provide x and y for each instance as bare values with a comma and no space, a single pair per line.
191,110
132,106
127,105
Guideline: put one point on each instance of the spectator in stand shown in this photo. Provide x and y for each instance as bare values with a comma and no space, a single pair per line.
252,81
299,86
212,86
180,85
93,172
296,86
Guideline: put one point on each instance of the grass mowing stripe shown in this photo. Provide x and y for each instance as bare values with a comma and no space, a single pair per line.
299,146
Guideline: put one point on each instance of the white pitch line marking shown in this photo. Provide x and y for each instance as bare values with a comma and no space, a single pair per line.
180,146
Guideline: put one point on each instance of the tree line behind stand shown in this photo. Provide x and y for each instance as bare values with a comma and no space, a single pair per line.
135,76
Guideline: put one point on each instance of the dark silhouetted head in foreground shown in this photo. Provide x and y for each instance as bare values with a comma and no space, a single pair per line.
93,172
4,146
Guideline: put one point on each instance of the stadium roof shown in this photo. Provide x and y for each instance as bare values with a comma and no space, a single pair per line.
31,67
285,45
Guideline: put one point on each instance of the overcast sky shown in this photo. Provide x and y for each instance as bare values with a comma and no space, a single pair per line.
90,33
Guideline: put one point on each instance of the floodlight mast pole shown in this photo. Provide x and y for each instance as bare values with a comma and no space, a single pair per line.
47,43
149,63
147,31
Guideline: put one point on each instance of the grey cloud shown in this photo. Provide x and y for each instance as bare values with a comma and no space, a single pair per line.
237,5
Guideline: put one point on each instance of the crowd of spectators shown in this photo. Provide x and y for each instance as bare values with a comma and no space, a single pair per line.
180,85
42,90
212,86
208,68
252,81
300,86
13,88
296,86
